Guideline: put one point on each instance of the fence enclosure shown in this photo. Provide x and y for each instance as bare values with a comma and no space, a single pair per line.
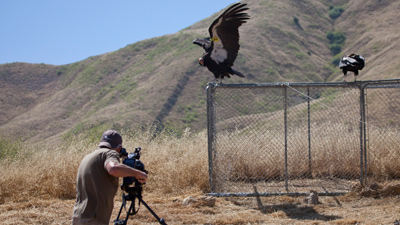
290,138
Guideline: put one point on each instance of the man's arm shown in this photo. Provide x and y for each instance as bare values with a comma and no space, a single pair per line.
117,169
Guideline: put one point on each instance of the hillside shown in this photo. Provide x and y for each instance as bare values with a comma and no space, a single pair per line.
159,79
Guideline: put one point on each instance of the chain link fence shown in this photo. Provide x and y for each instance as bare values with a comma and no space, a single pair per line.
290,138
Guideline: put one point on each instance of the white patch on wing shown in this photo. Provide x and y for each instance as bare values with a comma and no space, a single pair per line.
346,61
350,60
218,54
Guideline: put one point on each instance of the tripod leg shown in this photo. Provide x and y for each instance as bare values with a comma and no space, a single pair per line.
161,221
131,208
124,222
117,221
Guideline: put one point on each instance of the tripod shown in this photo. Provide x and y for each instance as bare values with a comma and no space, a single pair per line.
133,193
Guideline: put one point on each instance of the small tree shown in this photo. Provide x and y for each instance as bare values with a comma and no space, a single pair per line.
335,12
336,41
296,21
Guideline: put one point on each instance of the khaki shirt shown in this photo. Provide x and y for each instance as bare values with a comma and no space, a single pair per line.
95,187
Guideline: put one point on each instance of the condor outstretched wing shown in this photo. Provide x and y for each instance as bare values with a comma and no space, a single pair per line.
224,33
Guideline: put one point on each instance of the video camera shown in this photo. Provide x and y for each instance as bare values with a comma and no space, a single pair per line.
135,191
131,160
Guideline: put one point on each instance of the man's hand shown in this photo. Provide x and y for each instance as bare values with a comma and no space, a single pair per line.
141,177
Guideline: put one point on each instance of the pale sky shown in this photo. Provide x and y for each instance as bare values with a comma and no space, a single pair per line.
60,32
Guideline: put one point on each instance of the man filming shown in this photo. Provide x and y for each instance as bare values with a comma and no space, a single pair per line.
97,181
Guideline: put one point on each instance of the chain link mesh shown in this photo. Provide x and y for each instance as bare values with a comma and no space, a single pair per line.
293,138
382,133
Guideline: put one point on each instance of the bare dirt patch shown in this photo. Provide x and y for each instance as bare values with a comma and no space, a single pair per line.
348,209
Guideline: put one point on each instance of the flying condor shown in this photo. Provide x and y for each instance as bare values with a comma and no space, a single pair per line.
352,63
221,48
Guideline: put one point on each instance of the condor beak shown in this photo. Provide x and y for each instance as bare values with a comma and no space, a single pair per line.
201,41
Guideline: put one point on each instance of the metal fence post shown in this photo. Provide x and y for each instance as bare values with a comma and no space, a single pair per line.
362,120
286,153
309,130
210,132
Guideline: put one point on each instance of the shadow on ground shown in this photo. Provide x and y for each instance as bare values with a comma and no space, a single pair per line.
293,210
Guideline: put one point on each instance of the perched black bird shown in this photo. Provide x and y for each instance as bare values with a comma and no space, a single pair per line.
222,47
352,63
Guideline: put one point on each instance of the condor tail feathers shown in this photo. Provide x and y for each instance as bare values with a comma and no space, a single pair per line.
237,73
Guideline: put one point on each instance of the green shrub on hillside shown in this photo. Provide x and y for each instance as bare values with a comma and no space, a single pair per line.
297,22
336,41
335,12
335,60
336,37
335,48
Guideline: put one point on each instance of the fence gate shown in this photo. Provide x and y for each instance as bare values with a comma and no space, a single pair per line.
290,138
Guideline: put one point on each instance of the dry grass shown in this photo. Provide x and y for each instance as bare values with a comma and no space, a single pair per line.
175,165
38,187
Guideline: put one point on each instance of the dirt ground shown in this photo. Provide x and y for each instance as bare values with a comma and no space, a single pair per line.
348,209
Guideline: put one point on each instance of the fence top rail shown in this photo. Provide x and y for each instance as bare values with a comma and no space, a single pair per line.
355,84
